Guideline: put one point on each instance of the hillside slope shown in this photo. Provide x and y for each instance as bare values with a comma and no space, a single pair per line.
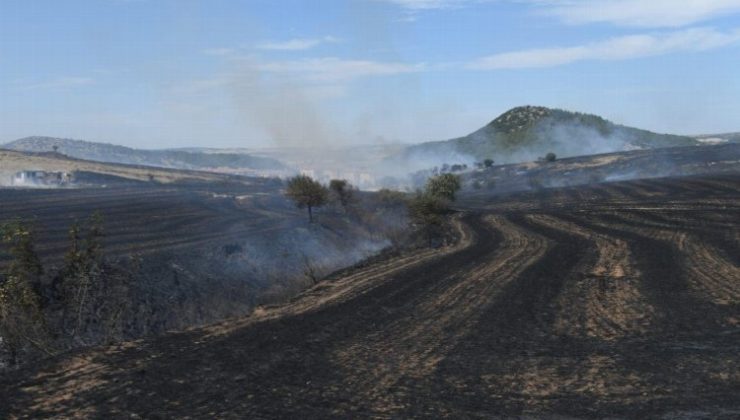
12,161
615,301
528,132
609,167
103,152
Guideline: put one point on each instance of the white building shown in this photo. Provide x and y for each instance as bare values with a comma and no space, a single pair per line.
40,178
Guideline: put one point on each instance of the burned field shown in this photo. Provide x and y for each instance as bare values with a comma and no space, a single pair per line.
187,253
142,219
620,299
608,167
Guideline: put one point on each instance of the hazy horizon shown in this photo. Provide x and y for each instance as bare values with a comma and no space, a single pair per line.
262,74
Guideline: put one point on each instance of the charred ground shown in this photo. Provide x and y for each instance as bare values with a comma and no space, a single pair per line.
187,248
620,299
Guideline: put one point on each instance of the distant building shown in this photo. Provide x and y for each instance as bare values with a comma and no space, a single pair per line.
41,178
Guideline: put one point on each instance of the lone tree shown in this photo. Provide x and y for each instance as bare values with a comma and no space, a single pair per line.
305,192
342,190
427,211
550,157
443,186
488,163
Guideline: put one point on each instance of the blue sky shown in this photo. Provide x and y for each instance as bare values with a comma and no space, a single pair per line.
254,73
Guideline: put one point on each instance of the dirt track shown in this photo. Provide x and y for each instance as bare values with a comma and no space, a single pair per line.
618,300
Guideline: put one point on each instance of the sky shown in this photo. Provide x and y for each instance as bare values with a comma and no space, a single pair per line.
266,73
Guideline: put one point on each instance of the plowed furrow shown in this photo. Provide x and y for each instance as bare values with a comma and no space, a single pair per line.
666,282
501,364
718,229
709,272
605,300
425,332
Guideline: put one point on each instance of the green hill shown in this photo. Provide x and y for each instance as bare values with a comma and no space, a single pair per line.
527,132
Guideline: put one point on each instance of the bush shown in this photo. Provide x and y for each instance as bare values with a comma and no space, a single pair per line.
82,273
21,319
444,186
342,191
427,212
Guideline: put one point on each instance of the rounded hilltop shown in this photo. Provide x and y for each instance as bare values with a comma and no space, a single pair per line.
519,118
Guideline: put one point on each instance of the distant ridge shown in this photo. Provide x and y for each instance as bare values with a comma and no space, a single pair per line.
527,132
103,152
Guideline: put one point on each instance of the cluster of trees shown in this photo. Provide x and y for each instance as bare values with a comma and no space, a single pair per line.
426,209
421,176
305,192
460,167
44,313
486,163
